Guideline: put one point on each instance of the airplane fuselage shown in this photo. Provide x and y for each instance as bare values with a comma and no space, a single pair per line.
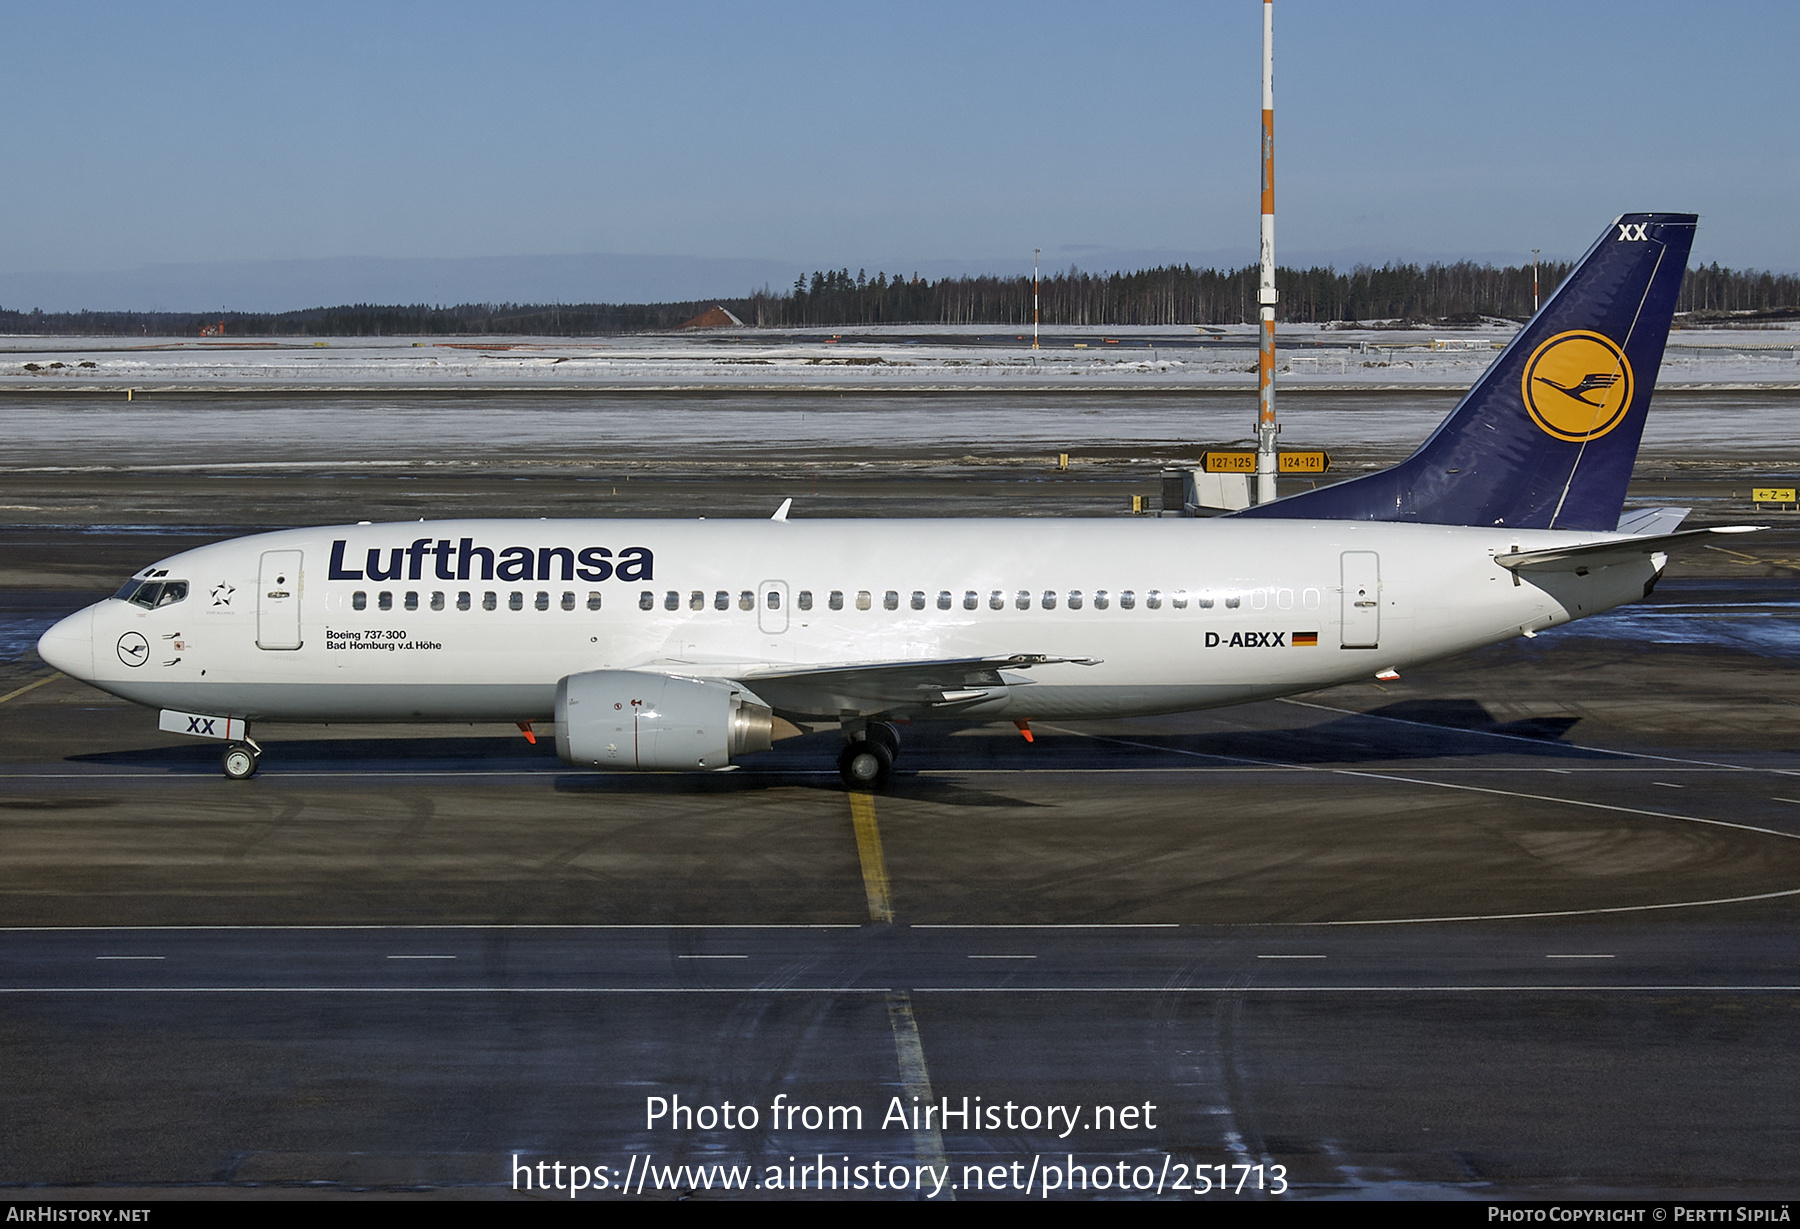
480,619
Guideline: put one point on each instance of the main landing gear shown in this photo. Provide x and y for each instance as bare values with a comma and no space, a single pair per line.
240,759
867,762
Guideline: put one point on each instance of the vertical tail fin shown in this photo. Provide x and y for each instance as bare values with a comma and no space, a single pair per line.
1547,437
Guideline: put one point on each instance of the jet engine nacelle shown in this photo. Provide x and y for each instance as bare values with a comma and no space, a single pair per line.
632,719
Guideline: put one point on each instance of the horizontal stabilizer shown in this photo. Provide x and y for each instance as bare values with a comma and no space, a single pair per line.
1619,550
1653,520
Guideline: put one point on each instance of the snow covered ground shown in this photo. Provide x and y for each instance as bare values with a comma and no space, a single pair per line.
893,359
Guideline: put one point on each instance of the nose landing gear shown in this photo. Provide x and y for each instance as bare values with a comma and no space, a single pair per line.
867,761
240,759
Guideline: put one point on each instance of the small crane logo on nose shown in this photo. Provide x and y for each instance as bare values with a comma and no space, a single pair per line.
134,650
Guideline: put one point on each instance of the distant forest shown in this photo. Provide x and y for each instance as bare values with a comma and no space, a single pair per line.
1176,295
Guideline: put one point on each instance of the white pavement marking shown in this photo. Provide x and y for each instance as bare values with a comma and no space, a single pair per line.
1481,789
1536,742
1290,957
1520,917
999,957
421,957
130,957
1579,956
712,957
1473,789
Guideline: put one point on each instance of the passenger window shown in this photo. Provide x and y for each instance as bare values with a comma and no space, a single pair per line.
943,599
804,601
890,600
671,600
836,601
971,599
1153,599
385,600
746,600
1127,599
1284,599
1074,599
1309,598
1204,603
918,599
696,600
543,601
862,599
412,600
1049,599
1022,600
1259,599
1101,602
462,600
568,601
490,600
721,600
437,601
515,601
996,600
593,599
1231,603
773,599
1179,601
359,600
646,600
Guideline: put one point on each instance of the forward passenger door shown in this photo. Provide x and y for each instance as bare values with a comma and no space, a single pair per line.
278,600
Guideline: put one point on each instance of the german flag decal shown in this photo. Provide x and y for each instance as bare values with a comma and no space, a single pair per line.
1306,640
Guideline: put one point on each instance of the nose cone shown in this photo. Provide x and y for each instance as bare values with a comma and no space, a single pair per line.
69,645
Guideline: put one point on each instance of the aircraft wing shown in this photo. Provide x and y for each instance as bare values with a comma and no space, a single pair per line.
1618,550
864,689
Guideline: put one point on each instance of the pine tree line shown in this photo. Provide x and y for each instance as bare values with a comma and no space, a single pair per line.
1172,295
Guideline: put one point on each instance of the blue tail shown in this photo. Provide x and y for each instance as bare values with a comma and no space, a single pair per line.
1547,438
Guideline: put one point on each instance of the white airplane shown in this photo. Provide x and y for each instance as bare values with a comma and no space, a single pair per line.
682,645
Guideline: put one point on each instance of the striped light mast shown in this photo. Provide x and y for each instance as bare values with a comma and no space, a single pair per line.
1265,294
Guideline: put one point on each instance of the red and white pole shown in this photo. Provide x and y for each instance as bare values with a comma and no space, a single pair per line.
1265,295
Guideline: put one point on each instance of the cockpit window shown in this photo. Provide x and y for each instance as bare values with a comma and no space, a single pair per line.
151,594
127,589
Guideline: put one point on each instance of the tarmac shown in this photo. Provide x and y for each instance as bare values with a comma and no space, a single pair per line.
1517,925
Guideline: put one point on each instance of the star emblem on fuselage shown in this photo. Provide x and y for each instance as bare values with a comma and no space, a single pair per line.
221,594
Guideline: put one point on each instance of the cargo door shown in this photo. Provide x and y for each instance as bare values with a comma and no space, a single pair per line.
278,600
1361,622
772,606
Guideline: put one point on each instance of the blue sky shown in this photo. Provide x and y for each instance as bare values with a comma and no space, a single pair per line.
897,136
